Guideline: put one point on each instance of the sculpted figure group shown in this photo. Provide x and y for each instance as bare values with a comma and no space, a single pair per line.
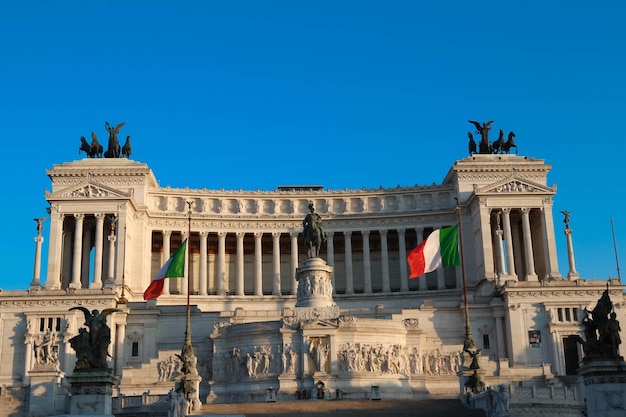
601,330
96,150
484,146
92,343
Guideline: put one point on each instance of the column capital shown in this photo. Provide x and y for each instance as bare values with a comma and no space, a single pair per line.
525,210
203,234
347,233
240,235
258,235
276,235
365,233
295,235
506,211
401,231
100,216
330,234
383,232
221,234
79,216
166,232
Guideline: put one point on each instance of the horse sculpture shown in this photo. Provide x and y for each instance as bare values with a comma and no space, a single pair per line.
510,143
498,145
472,144
126,149
96,148
84,147
312,233
93,150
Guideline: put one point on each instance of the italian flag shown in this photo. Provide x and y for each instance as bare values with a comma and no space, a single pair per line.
173,268
440,248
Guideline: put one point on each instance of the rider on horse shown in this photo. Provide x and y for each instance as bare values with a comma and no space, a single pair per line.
313,232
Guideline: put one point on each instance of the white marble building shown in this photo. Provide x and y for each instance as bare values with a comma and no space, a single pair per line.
111,228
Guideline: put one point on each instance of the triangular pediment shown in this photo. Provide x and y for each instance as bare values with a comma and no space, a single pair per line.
87,189
321,324
514,185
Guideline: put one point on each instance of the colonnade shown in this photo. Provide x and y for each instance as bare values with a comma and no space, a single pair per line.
70,261
522,247
85,249
265,263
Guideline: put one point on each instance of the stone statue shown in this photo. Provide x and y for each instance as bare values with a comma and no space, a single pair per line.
113,150
483,130
313,233
91,345
44,351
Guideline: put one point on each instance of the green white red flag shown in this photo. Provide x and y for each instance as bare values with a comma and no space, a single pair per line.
173,268
440,248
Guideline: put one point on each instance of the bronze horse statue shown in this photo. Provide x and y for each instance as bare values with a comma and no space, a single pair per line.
313,233
126,149
498,145
510,143
93,150
471,146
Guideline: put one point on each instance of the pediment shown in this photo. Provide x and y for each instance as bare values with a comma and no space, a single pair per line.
321,324
514,185
87,189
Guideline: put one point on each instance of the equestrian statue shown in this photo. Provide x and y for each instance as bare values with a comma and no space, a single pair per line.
313,233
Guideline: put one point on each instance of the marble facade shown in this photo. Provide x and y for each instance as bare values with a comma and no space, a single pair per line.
112,226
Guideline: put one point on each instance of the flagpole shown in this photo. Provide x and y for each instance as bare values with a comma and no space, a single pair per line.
189,382
188,328
474,383
469,340
615,249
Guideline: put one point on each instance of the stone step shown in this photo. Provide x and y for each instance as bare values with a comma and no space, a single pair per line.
344,408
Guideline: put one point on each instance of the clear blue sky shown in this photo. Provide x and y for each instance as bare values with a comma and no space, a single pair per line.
240,94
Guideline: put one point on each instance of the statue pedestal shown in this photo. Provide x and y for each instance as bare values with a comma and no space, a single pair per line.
46,393
315,290
92,392
605,385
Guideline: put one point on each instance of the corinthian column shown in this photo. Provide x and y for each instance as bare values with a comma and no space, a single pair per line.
367,263
531,275
167,234
294,262
36,282
240,263
258,262
97,259
508,240
570,255
78,250
55,255
204,235
384,259
330,253
404,277
221,259
348,254
276,263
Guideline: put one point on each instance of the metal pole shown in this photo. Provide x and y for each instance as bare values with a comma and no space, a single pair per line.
615,249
